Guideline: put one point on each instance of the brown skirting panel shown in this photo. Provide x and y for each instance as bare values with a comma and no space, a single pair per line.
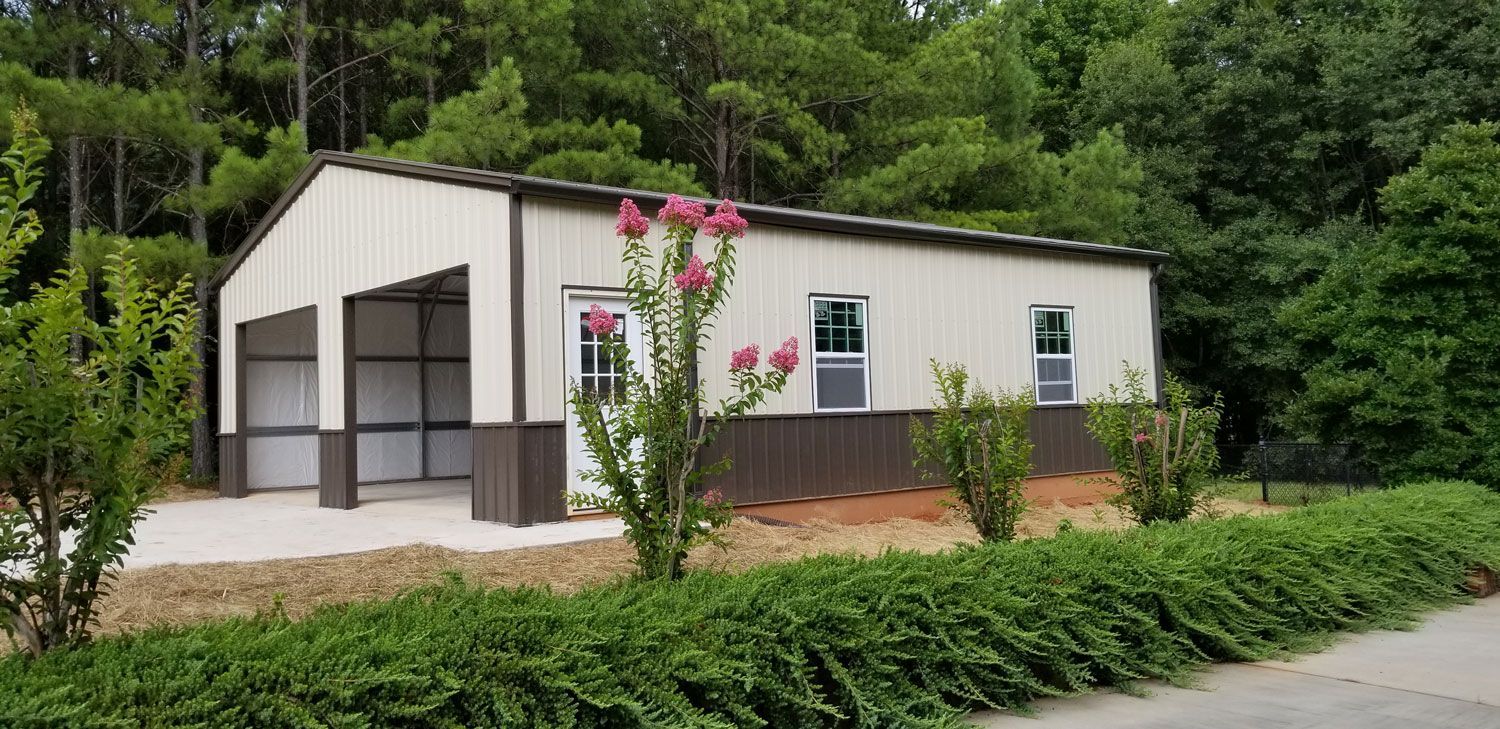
336,469
520,469
520,472
779,458
232,464
1064,444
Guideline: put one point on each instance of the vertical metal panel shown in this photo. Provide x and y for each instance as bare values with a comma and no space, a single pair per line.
338,450
951,302
355,230
232,463
520,469
519,473
337,463
779,458
1159,381
1063,443
516,291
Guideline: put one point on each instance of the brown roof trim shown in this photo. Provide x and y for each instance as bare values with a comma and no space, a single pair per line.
838,222
584,192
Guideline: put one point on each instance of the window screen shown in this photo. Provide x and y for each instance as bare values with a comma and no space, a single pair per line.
1052,347
841,363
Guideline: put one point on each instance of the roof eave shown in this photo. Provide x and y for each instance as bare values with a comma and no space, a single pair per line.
585,192
839,223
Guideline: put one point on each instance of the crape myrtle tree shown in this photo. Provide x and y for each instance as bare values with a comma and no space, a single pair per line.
646,433
77,424
979,442
1163,453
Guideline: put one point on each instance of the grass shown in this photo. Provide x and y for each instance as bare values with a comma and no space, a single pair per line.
1282,493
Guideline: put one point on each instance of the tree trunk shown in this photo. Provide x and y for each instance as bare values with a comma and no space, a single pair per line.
203,465
51,593
301,43
726,173
118,183
343,111
76,194
117,167
359,109
725,182
76,200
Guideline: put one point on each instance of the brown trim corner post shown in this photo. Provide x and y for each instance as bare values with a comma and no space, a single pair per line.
234,447
1156,343
338,450
519,473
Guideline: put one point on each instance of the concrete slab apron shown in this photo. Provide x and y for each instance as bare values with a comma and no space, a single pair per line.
1443,675
238,530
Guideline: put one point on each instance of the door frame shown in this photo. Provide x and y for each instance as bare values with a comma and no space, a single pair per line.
569,295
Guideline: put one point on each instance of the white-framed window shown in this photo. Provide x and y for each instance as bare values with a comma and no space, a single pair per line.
841,354
598,375
1052,355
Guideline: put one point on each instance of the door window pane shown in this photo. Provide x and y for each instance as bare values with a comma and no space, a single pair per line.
599,375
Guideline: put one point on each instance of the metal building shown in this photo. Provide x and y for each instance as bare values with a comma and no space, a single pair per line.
392,321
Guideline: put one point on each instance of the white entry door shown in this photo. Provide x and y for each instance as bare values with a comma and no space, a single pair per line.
591,369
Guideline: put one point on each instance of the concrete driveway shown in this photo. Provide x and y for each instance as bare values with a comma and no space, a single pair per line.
1444,675
280,524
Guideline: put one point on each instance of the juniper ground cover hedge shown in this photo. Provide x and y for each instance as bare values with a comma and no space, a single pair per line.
902,639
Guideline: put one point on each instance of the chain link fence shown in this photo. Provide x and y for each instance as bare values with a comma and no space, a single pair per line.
1293,474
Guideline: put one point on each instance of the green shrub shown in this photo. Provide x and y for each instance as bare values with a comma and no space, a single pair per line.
1164,456
83,402
899,640
980,444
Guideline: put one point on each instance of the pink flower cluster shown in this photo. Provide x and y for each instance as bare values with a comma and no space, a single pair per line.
601,322
696,277
725,221
785,359
744,360
713,497
1161,419
679,211
632,224
1142,437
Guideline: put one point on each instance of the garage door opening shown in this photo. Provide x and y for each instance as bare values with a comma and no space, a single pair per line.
281,401
412,384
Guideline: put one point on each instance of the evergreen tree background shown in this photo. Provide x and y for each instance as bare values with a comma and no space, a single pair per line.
1249,138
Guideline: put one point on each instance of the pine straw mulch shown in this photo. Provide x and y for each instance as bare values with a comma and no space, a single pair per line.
172,492
183,594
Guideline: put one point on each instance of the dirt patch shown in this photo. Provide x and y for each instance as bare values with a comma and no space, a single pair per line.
182,594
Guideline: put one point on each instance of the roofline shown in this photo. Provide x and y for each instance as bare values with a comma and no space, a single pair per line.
584,192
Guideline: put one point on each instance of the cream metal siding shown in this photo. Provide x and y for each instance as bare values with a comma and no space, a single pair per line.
955,303
354,230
